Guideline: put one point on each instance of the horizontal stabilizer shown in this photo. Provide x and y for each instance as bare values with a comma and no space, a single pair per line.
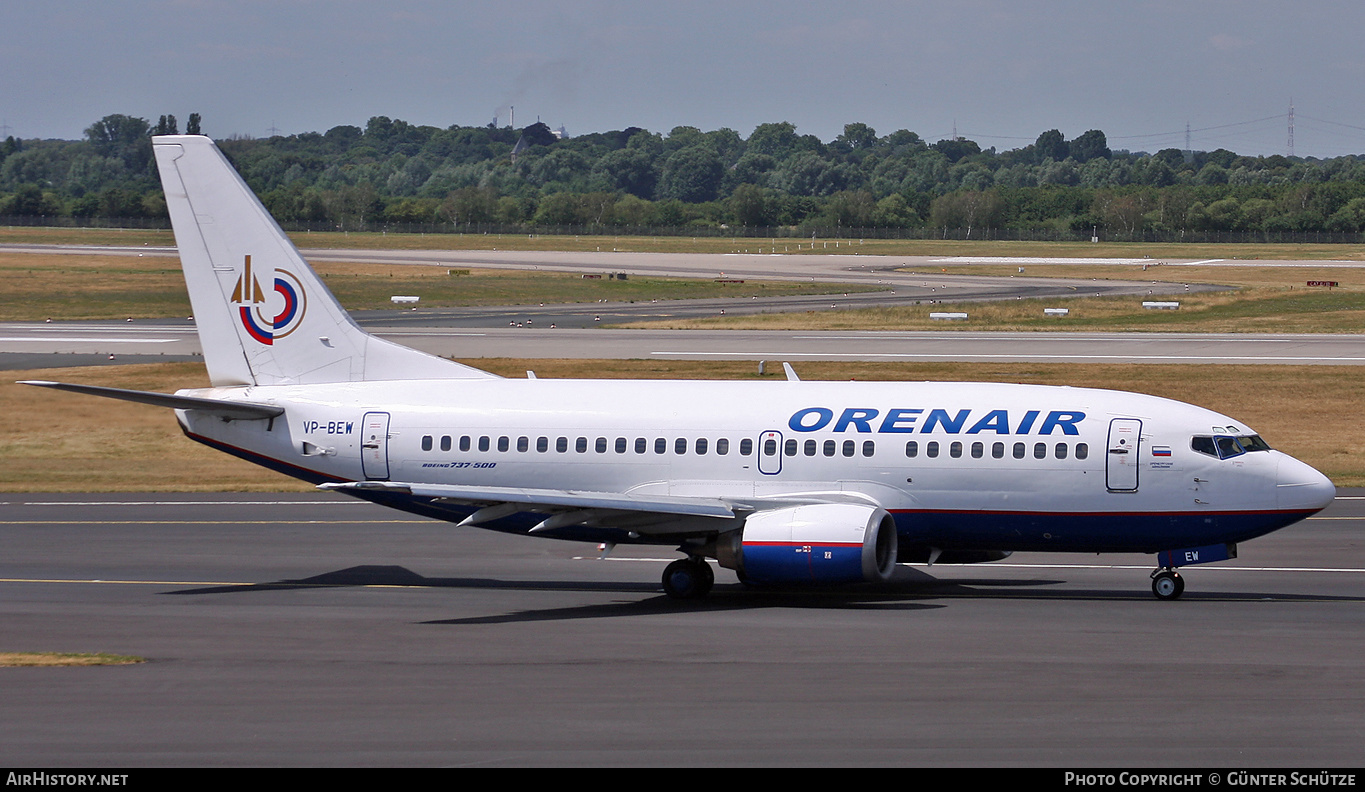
227,409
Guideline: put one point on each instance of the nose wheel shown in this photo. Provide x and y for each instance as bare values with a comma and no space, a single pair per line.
1167,584
688,578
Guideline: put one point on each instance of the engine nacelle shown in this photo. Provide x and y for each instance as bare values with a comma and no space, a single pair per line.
816,543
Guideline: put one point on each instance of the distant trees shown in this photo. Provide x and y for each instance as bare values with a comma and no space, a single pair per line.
391,171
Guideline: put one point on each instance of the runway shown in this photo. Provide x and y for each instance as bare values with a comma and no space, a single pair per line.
526,331
307,630
32,345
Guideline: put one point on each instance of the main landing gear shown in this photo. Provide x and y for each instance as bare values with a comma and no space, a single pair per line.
688,578
1167,584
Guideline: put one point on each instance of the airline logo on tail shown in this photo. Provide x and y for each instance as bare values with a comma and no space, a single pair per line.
269,315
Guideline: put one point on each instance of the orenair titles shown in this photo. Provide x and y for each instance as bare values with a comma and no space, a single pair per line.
905,420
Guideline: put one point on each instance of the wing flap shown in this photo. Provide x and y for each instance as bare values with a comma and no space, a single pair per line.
553,500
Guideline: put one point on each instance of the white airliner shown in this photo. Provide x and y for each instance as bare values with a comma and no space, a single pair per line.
784,482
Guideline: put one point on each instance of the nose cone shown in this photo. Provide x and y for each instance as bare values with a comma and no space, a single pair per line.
1299,486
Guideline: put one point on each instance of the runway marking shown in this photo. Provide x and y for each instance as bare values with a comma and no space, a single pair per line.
860,355
215,522
82,339
127,582
923,336
1034,260
998,565
289,583
186,503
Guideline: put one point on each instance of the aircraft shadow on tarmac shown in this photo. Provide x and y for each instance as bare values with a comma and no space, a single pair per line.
911,589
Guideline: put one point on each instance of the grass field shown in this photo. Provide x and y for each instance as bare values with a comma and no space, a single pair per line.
39,286
1247,310
682,244
1268,299
54,441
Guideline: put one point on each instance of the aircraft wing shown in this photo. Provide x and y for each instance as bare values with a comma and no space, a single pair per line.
566,508
550,499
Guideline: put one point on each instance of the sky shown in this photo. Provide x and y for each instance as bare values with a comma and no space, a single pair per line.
999,72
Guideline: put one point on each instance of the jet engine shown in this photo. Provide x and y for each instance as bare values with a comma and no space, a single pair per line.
815,543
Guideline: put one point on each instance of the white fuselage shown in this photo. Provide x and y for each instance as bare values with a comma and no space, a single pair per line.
970,465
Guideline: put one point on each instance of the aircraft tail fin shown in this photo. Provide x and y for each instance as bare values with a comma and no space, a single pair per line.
264,317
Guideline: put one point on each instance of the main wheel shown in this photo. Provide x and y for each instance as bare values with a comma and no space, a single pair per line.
688,578
1168,585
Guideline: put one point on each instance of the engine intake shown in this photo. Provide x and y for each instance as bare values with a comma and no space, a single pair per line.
816,543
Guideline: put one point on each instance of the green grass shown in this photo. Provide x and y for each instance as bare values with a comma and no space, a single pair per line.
42,286
1266,310
702,244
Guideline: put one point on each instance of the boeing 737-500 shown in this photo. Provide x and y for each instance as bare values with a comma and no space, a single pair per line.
785,482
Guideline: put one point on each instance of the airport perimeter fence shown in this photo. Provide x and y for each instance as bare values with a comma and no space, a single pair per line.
793,233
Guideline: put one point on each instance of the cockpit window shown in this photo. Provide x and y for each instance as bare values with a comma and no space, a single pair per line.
1204,445
1226,447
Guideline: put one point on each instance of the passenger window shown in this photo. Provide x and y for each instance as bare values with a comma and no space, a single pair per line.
849,447
746,447
562,444
523,443
542,444
1018,450
641,445
830,447
978,450
1040,450
581,445
722,446
483,443
601,445
931,449
701,446
464,443
998,450
790,446
811,447
955,450
503,443
769,447
426,442
869,448
680,445
1060,450
660,445
445,443
1082,450
912,449
621,445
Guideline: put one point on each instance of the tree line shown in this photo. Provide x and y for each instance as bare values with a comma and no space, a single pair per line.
393,172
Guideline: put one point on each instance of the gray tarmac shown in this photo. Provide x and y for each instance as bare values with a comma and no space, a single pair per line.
312,630
32,345
297,630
